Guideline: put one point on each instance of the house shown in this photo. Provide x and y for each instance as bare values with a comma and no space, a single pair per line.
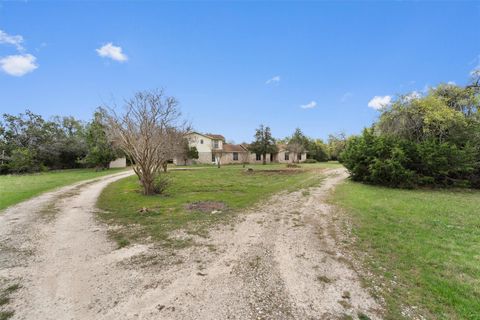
212,149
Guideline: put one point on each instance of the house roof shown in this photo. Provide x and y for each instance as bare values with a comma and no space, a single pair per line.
209,135
227,147
215,136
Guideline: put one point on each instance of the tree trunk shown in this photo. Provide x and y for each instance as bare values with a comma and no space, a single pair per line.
264,158
148,185
165,166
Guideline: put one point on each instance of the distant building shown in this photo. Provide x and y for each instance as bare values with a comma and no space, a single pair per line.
118,163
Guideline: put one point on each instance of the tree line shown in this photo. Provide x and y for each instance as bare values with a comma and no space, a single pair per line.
422,140
29,143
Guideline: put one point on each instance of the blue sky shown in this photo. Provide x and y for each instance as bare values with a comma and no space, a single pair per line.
217,58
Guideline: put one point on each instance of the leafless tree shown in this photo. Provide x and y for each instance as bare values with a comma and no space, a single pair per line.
244,157
295,148
150,131
218,157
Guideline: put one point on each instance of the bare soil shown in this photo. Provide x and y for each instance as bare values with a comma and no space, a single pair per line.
283,259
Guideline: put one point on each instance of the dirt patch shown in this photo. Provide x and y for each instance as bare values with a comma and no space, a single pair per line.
274,171
206,206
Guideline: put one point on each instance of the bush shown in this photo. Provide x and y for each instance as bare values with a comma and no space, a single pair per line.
310,161
22,161
162,182
397,162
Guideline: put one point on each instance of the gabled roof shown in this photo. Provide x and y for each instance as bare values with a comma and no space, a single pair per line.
227,147
209,135
215,136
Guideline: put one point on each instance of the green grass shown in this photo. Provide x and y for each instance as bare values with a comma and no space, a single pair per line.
17,188
422,245
230,184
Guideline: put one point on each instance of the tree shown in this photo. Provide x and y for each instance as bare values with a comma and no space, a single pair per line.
297,144
431,140
317,150
187,152
149,131
70,145
100,149
264,142
57,143
244,156
336,145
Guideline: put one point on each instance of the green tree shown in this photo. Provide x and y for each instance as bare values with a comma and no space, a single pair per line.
100,149
264,142
421,140
336,145
317,150
188,152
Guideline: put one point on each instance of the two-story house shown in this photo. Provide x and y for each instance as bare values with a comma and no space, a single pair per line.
212,149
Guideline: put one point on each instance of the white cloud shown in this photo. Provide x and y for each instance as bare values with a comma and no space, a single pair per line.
13,40
273,80
112,52
18,65
452,83
346,96
412,96
379,102
310,105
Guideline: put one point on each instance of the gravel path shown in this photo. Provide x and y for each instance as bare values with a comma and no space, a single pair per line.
283,259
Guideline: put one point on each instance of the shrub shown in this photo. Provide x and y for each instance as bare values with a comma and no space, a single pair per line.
21,161
310,161
161,183
398,162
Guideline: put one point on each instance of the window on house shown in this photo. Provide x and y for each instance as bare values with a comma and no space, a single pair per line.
299,157
215,144
213,157
201,141
287,156
235,156
258,157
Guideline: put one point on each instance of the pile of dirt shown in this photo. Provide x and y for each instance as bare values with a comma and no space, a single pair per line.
206,206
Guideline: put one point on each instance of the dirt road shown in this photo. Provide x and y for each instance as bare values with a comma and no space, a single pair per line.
283,259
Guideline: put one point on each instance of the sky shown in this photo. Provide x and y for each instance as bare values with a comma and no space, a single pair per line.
325,67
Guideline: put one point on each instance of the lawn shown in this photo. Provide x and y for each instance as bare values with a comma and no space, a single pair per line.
423,247
231,185
16,188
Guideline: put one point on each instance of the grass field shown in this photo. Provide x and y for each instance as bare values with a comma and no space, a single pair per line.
16,188
422,245
230,185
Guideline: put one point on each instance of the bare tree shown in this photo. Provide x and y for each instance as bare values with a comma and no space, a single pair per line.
244,157
150,132
218,157
297,144
296,148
